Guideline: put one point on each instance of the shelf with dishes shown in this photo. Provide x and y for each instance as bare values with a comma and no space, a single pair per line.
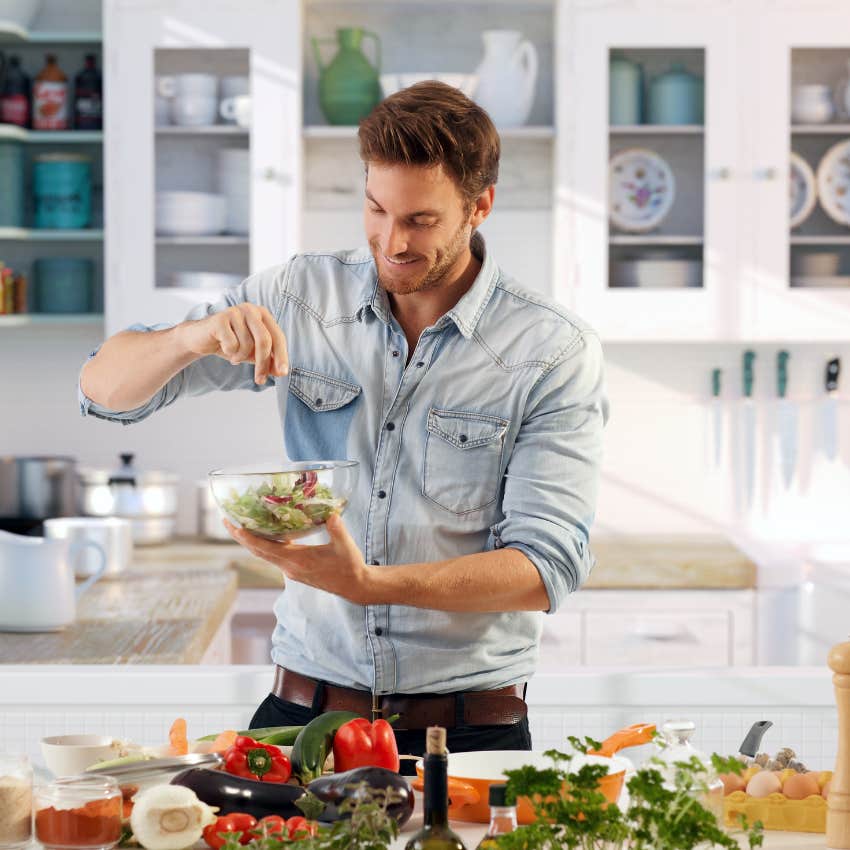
11,132
349,132
27,320
228,130
32,234
215,240
657,130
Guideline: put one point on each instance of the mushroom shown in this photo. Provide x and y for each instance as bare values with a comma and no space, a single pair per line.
169,817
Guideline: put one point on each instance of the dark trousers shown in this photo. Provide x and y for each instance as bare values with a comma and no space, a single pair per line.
274,711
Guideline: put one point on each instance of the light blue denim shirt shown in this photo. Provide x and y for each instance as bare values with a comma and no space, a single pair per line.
496,441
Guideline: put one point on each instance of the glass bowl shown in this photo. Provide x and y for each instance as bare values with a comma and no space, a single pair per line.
284,502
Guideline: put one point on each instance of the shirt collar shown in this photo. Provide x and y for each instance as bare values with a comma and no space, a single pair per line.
466,313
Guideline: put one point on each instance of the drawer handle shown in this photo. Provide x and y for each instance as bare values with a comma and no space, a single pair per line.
662,632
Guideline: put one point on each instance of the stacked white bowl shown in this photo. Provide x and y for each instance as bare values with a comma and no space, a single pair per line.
234,184
190,213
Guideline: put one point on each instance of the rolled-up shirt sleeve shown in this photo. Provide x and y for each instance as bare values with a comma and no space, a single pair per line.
552,478
207,373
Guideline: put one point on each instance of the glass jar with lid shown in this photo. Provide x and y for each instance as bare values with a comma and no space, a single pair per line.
675,746
15,801
79,812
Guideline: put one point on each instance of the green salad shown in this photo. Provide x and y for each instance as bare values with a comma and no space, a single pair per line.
293,502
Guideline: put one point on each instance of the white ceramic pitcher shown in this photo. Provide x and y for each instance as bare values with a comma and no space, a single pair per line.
506,77
37,588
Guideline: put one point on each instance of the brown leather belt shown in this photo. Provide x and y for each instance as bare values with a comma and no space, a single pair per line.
500,707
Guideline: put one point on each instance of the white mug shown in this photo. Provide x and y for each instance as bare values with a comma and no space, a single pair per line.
236,110
234,86
37,590
113,534
193,110
202,85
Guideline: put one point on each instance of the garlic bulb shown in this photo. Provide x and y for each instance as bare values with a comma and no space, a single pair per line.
169,817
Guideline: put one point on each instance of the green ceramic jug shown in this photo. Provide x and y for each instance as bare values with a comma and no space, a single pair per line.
349,87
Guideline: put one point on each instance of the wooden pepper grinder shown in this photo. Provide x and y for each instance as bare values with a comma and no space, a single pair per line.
838,802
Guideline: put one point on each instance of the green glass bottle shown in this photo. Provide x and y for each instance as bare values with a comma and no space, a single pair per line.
435,833
502,818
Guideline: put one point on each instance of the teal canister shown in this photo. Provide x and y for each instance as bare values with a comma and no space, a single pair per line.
63,285
62,189
625,91
349,87
676,97
12,170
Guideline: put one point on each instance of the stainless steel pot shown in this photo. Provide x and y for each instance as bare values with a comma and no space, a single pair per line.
34,488
210,526
147,499
115,536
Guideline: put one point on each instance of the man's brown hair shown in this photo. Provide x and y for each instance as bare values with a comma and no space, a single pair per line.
431,124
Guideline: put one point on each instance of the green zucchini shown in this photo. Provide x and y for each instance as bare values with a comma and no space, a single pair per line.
314,742
286,734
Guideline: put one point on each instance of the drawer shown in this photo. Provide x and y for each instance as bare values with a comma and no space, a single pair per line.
660,638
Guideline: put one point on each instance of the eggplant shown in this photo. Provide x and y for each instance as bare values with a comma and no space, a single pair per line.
238,794
335,788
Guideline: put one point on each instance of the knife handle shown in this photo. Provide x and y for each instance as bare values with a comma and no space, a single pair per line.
749,357
833,370
715,382
782,373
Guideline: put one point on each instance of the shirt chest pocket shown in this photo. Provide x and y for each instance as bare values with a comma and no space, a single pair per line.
463,459
318,423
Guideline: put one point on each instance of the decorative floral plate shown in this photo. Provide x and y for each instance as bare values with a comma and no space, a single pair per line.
641,189
833,182
802,188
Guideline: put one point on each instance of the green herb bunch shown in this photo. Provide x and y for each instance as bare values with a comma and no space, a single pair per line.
573,814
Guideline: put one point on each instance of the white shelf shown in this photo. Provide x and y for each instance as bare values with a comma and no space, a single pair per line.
11,32
52,137
321,131
820,240
25,320
648,239
209,130
26,234
656,129
820,129
234,241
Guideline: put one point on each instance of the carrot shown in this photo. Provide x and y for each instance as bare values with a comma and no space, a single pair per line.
225,740
177,737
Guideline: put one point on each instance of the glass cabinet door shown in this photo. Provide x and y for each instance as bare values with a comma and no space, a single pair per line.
203,140
800,164
647,205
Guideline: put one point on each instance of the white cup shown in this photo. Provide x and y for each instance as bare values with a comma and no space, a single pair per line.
202,85
113,534
236,110
192,110
234,86
812,104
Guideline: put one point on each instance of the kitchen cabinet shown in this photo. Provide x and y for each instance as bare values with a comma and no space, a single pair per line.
147,40
659,628
724,264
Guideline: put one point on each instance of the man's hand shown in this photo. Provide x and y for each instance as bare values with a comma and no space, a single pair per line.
337,567
246,333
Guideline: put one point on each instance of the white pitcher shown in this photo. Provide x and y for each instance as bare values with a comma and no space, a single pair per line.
37,589
506,77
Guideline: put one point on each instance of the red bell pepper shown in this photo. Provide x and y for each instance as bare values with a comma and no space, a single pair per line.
252,760
360,743
215,834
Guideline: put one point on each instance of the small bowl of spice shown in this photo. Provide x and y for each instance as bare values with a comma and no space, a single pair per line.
78,812
15,802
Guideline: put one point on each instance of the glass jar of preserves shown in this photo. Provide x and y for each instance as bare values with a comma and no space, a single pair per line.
15,802
78,812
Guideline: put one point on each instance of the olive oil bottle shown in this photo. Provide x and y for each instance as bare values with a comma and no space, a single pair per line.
502,818
435,833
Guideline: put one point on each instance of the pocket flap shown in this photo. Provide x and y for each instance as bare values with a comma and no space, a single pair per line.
321,392
466,430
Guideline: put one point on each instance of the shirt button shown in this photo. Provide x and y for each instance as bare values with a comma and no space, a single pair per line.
382,494
419,365
463,438
390,426
319,402
378,631
396,354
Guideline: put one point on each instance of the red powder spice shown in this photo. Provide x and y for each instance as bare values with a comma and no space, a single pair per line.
95,824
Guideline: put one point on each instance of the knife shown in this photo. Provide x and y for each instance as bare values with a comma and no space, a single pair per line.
752,741
786,413
829,409
748,427
717,414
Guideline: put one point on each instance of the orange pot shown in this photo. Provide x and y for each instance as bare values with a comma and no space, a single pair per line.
471,774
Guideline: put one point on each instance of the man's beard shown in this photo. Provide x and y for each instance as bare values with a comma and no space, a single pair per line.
433,276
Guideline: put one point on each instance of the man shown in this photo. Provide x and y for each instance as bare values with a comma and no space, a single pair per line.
475,410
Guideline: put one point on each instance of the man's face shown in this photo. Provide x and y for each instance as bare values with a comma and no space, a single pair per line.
417,225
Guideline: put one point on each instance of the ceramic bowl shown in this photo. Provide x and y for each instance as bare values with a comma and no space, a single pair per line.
285,502
68,755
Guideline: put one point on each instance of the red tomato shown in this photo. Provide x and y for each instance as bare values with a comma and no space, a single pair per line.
272,825
300,827
229,823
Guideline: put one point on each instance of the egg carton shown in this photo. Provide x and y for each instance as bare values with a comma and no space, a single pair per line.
776,811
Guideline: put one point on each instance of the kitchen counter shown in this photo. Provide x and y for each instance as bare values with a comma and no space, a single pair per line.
138,618
679,562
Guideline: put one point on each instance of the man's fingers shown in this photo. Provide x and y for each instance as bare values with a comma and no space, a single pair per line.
245,351
262,345
279,362
228,342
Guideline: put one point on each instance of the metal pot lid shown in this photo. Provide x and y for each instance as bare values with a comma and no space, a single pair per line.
140,771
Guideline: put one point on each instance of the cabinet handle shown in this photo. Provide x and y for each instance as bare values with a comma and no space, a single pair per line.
272,175
722,173
664,632
769,173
